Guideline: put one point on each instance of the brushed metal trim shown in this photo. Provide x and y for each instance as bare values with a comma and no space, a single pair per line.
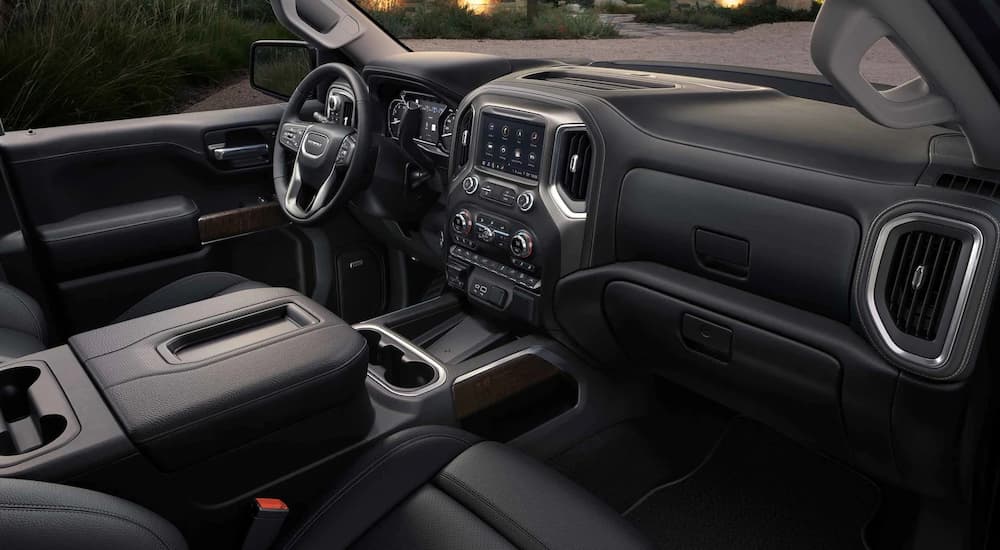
963,293
409,348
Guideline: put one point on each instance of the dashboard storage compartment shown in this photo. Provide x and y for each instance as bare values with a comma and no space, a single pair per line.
192,382
34,413
794,253
779,381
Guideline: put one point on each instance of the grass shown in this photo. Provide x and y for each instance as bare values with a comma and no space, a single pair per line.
70,61
717,17
445,19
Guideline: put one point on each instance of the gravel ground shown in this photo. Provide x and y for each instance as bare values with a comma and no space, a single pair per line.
780,46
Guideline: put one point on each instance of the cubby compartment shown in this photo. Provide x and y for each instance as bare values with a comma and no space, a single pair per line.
237,333
399,366
34,413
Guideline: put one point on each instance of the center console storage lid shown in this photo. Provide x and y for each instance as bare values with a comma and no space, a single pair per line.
193,381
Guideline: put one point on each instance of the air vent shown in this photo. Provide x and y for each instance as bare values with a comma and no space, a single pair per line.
603,80
978,186
463,139
919,280
574,163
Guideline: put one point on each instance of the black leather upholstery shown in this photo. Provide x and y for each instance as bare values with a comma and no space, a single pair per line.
439,488
183,409
45,516
187,290
430,487
22,325
122,235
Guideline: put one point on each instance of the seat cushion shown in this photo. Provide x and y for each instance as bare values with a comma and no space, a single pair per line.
37,515
187,290
22,325
441,488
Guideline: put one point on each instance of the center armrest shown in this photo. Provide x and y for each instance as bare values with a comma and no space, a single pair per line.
193,381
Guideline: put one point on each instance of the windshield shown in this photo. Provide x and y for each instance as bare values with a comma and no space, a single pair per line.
765,34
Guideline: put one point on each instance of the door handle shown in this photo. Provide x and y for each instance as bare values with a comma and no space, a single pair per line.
240,152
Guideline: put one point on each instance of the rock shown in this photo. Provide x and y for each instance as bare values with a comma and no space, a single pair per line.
609,3
575,8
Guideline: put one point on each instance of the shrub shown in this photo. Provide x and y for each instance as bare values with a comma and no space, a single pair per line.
445,19
66,61
716,17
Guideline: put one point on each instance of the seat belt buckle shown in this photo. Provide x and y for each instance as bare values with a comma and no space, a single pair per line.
268,517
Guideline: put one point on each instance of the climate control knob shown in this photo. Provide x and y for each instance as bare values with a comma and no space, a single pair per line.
470,185
525,201
522,244
461,222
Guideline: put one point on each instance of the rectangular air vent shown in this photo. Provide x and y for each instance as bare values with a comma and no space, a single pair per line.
463,139
603,80
919,280
978,186
574,163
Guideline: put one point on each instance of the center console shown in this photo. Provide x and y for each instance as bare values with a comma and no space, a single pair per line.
510,234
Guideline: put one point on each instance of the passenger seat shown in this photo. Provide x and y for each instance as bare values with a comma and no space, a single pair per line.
23,329
424,488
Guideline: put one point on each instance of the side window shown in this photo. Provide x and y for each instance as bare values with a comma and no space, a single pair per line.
77,61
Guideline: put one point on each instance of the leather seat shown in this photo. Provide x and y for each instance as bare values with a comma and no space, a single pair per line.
23,328
429,487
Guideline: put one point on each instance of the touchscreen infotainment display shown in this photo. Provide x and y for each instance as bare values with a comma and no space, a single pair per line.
511,146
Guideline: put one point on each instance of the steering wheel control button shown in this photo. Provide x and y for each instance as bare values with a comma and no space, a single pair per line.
315,144
522,244
291,136
525,201
470,185
461,222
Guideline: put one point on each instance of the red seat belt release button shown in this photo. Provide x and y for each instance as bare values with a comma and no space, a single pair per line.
269,515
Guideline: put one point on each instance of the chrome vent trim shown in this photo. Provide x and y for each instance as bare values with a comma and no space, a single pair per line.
965,286
573,169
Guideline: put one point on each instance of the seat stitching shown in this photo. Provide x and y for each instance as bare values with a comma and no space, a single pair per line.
34,319
476,494
356,480
71,509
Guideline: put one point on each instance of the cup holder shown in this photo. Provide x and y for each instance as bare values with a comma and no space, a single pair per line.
27,421
394,366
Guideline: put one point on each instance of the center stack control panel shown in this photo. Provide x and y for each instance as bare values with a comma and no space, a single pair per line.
499,233
492,255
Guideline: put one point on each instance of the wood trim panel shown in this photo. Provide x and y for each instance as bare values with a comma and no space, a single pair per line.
501,382
241,221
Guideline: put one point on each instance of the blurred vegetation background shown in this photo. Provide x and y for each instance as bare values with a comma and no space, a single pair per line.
70,61
447,19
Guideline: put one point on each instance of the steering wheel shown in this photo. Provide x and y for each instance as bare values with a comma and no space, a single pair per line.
331,159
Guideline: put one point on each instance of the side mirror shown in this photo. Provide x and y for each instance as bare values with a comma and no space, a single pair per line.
277,66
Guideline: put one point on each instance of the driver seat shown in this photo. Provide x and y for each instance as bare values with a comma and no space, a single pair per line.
23,329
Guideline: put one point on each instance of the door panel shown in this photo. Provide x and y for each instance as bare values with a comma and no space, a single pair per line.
118,209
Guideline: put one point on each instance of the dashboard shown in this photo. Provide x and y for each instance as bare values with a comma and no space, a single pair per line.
738,240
